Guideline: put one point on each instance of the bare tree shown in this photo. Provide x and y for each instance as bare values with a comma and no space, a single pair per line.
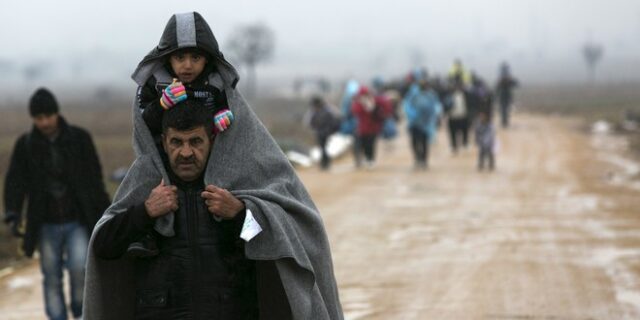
592,53
250,45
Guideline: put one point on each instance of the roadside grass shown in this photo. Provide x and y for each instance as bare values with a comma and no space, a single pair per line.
607,102
591,103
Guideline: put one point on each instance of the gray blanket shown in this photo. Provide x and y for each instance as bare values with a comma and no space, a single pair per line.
245,160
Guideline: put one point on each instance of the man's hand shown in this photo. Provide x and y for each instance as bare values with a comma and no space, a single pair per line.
221,202
162,200
14,222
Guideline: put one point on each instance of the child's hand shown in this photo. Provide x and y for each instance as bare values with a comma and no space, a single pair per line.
222,120
173,94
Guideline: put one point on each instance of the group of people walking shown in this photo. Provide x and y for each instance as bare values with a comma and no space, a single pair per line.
463,101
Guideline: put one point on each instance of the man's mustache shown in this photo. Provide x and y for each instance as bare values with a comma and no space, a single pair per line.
181,160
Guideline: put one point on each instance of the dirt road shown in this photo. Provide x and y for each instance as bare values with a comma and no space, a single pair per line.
552,234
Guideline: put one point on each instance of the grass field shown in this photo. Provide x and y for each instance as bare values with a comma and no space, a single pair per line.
607,102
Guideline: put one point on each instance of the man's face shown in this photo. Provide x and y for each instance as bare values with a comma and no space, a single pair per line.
188,151
47,124
187,65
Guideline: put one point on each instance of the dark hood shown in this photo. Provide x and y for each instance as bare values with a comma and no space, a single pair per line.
185,30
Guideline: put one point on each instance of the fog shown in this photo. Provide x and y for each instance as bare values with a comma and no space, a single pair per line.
79,43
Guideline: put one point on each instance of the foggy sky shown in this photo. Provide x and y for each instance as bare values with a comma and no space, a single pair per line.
337,39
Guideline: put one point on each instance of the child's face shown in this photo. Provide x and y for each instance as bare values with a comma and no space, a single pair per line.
187,65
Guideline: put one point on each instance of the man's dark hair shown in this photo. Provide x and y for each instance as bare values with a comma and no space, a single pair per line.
187,115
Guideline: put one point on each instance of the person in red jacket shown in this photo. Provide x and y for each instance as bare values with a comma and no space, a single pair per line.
371,113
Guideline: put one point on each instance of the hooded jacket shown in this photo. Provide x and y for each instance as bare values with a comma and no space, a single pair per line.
187,30
154,73
422,108
82,177
292,248
369,122
349,122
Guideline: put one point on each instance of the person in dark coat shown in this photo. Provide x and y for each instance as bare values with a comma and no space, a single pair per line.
324,121
202,268
482,98
55,169
504,91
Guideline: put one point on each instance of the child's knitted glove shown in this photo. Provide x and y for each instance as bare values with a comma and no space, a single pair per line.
173,94
222,120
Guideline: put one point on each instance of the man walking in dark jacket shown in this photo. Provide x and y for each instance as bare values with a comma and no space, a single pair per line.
55,168
504,90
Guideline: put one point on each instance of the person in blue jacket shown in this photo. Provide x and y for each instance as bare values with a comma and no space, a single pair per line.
422,109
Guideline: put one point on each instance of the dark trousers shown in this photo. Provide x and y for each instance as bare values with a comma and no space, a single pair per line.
505,113
356,149
486,154
458,127
368,143
325,161
420,145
